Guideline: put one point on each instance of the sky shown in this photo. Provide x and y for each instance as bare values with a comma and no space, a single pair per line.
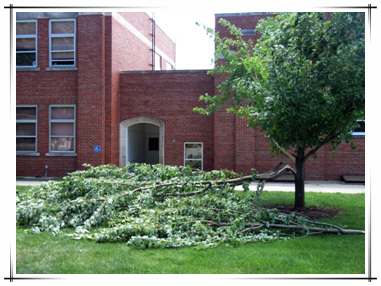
194,48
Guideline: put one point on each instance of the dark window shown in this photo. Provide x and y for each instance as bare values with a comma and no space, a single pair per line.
360,130
153,144
26,43
26,128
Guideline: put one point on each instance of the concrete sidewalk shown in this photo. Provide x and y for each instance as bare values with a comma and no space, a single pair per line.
314,186
310,186
30,183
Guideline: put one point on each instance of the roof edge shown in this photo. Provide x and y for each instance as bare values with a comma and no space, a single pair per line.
241,14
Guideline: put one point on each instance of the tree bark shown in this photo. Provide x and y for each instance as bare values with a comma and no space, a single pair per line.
299,181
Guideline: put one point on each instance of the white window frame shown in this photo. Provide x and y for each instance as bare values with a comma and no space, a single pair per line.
62,121
28,36
35,121
354,133
70,35
202,154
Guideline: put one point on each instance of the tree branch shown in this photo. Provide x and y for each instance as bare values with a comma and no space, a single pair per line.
284,151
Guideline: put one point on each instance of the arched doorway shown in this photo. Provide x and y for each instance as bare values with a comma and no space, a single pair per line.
141,141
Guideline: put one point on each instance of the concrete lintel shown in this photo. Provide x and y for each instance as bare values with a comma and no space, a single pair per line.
50,15
163,71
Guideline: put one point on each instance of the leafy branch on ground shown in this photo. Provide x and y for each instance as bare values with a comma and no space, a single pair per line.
156,206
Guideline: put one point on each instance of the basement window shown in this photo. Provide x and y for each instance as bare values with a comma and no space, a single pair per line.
26,43
26,128
62,42
62,128
193,155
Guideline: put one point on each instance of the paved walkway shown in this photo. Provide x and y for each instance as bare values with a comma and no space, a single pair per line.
314,186
310,186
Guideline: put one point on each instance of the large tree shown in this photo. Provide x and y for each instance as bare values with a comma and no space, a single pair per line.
302,83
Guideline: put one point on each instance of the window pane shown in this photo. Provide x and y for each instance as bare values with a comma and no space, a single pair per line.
25,144
157,62
361,126
26,59
193,164
26,28
25,113
153,144
62,44
62,144
193,151
63,129
62,112
62,63
63,56
62,27
26,129
26,44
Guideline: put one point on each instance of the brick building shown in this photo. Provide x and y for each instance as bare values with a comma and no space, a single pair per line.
102,88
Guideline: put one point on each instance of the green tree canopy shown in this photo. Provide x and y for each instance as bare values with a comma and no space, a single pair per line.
303,82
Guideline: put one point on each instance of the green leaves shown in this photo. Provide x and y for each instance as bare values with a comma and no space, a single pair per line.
148,207
154,207
303,82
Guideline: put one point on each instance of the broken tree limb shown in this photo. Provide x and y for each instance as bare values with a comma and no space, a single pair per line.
335,230
267,176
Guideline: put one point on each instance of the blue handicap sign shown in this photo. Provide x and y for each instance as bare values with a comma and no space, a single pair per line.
97,149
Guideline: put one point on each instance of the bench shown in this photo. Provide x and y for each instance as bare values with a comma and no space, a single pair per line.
348,178
285,178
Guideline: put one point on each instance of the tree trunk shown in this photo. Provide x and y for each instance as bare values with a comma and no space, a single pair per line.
299,181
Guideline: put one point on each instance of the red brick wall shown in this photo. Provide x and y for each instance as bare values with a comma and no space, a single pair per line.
171,97
91,89
43,88
244,22
140,53
105,97
128,53
104,48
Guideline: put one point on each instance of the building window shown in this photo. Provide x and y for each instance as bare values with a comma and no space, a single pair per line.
26,43
62,128
193,155
157,62
26,128
360,130
153,144
62,42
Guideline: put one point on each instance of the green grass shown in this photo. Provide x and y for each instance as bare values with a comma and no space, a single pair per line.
318,254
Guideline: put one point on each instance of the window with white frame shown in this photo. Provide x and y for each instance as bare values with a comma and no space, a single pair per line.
62,128
157,62
360,130
193,155
26,43
26,128
62,42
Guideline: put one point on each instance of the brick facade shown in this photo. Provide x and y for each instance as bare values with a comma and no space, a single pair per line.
113,86
105,45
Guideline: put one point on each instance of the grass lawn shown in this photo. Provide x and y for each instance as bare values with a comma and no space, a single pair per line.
317,254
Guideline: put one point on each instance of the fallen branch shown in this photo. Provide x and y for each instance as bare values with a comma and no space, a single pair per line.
335,230
271,175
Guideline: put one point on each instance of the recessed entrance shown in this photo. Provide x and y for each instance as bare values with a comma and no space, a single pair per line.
141,141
